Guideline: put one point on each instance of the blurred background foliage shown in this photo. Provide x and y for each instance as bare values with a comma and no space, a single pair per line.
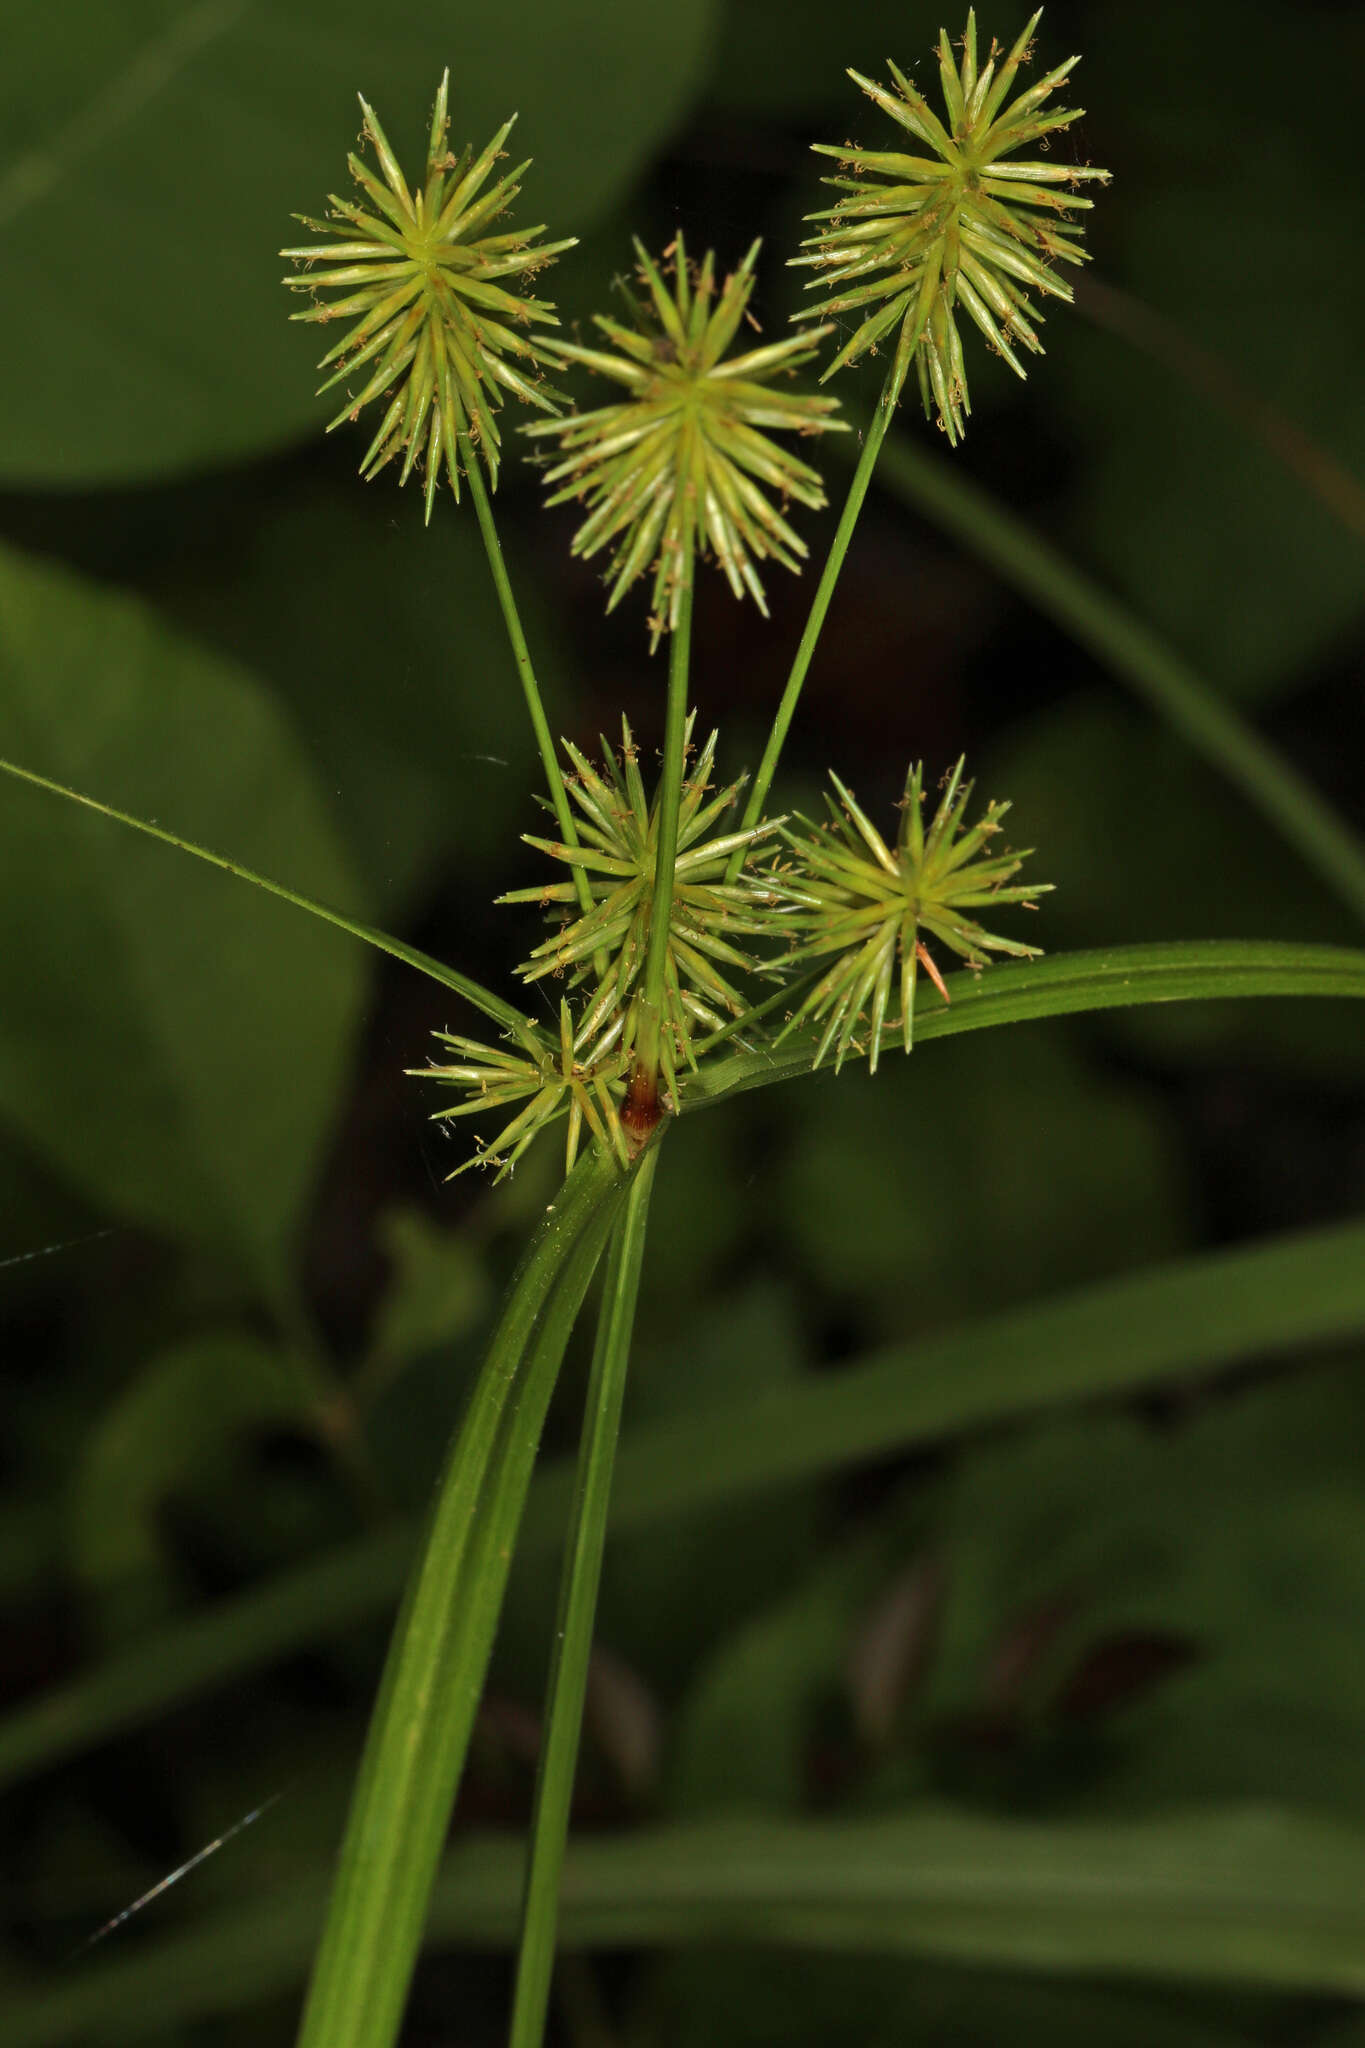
239,1303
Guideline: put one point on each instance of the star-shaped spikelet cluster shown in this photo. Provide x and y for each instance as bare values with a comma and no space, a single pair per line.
435,330
604,950
872,907
685,462
915,237
550,1076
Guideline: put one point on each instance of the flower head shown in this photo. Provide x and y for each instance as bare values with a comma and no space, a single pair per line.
916,237
682,463
873,906
422,280
619,831
550,1076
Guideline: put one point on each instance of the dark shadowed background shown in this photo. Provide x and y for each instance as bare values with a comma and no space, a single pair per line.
219,1193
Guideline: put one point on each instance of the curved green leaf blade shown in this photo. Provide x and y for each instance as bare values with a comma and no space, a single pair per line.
434,1676
1259,1301
1241,1895
383,942
172,1047
1237,1895
1102,979
1151,1329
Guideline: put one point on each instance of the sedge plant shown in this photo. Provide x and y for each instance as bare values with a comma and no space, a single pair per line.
697,939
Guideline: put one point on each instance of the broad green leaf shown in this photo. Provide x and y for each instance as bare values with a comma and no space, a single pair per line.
1244,1895
175,142
1160,1328
170,1041
182,1408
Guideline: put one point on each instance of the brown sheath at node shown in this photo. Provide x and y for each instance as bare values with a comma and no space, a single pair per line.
641,1110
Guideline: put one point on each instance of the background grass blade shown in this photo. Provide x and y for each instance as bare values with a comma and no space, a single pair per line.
1241,1895
1197,1315
1104,978
582,1572
1255,1896
1101,624
1316,467
436,970
434,1676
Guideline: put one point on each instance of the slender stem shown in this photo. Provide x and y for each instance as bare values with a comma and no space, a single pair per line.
521,654
577,1607
642,1099
824,591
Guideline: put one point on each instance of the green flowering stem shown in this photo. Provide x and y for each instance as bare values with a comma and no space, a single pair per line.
521,654
434,1676
577,1608
824,591
641,1111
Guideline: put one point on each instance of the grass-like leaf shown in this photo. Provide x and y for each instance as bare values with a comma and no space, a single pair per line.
1103,979
384,942
1192,1316
433,1680
582,1574
1232,1895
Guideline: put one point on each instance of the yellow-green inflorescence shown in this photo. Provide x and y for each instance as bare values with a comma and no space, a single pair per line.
684,462
580,1072
971,226
868,908
603,953
551,1075
426,285
849,913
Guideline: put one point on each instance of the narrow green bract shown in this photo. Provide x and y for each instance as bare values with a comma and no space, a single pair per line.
872,905
421,279
916,237
683,463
